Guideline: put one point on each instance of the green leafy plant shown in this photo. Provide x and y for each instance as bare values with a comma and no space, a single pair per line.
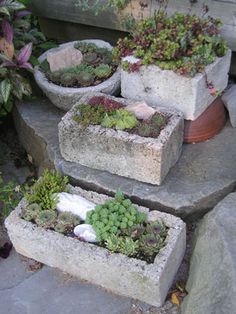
10,195
113,216
46,218
88,114
183,43
44,190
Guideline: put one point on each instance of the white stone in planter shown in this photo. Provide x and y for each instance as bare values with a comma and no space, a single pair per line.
65,97
116,272
166,88
129,155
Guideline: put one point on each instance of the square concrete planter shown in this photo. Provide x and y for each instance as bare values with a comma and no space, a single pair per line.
119,152
166,88
65,97
116,272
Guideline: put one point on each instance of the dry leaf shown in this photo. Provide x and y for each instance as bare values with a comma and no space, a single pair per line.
175,299
30,158
7,48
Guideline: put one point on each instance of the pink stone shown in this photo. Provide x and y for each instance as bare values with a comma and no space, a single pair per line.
141,110
66,57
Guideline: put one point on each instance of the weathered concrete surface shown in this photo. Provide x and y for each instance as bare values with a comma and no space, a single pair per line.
166,88
204,174
229,99
116,272
118,152
65,97
51,292
212,281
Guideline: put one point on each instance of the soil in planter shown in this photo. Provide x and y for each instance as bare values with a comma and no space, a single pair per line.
96,67
109,113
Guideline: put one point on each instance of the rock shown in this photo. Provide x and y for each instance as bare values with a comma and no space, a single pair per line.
212,280
166,88
141,110
65,57
86,233
74,204
229,99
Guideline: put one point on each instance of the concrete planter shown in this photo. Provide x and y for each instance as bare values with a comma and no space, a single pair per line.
65,97
129,155
115,272
166,88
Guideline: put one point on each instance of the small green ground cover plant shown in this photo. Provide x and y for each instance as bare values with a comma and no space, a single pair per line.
118,224
97,65
10,195
112,114
42,204
183,43
121,228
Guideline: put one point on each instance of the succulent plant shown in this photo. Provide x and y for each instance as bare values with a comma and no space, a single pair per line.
159,120
113,216
183,43
27,215
68,79
66,218
103,71
90,58
85,78
88,114
76,220
121,119
60,227
33,209
55,77
42,192
85,47
144,129
46,218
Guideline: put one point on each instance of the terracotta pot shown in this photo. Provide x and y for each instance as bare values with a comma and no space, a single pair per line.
207,125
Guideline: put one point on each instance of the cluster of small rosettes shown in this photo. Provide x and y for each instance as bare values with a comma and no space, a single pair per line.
183,43
97,65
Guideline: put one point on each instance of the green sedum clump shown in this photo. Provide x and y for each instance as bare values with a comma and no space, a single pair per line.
42,192
114,216
120,119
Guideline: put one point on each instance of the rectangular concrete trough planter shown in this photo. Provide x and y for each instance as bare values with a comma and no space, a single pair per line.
142,158
166,88
116,272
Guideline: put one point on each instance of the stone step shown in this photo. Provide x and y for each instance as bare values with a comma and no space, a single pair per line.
204,174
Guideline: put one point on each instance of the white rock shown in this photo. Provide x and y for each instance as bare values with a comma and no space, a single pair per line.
85,232
75,204
63,58
141,110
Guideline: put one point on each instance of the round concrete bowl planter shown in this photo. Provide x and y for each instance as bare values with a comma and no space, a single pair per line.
116,272
141,158
166,88
65,97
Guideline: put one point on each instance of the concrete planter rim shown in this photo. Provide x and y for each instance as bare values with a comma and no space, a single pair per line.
124,135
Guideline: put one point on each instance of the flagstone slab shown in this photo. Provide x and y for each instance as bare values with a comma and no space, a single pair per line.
204,174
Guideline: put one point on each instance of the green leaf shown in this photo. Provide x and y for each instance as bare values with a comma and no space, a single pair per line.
5,90
4,10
